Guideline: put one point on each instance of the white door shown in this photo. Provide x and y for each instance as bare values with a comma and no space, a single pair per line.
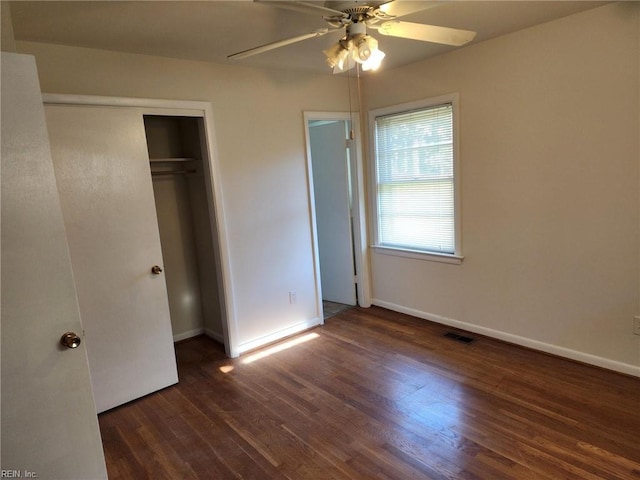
102,169
49,424
330,165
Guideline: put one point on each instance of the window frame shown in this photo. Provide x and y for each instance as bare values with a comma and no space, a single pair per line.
453,258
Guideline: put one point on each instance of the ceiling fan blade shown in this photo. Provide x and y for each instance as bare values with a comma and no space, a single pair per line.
280,43
426,33
399,8
304,7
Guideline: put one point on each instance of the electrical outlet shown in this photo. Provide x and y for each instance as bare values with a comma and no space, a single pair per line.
293,296
636,325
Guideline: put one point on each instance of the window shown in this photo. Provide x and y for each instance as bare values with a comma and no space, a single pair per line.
415,178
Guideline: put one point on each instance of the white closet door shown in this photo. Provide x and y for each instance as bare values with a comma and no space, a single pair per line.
102,169
49,424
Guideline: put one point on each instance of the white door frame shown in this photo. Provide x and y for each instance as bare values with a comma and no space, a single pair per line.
215,205
361,252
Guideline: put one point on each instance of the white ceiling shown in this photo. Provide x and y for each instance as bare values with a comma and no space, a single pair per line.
211,30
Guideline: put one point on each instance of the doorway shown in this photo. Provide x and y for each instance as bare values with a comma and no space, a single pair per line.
336,186
176,153
203,117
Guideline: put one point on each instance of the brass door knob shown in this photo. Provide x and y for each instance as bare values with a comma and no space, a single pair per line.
156,270
70,340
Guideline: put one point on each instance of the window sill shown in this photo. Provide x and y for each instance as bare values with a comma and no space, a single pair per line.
427,256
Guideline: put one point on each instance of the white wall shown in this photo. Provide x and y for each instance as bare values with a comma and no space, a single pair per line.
549,142
260,144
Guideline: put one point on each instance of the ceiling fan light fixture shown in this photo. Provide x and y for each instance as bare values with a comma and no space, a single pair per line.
363,48
345,65
367,53
336,54
374,61
342,60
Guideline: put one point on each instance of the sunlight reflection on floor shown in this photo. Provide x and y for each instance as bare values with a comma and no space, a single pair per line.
280,347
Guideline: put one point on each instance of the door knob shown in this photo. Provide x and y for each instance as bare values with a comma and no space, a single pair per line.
70,340
156,270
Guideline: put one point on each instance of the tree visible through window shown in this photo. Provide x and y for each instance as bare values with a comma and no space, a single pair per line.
415,179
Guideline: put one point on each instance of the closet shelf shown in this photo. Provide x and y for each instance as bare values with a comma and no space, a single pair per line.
171,159
173,172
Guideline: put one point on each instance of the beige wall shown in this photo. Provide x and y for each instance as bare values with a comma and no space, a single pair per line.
549,145
259,127
8,43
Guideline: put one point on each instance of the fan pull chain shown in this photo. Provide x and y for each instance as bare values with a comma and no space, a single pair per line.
352,134
359,90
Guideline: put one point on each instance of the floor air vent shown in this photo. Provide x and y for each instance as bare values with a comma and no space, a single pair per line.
458,337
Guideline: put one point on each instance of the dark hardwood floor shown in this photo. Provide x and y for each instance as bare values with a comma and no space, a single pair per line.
377,394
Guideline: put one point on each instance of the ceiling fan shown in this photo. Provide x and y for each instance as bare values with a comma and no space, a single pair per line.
355,17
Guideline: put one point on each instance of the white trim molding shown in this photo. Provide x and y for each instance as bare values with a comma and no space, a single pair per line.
218,337
188,334
279,335
428,256
97,100
628,369
454,100
359,220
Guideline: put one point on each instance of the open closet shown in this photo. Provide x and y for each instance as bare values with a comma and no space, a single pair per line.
137,189
186,235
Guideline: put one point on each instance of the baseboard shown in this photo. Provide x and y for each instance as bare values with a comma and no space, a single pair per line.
588,358
279,335
199,331
214,335
184,335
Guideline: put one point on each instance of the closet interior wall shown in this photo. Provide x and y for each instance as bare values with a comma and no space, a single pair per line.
176,149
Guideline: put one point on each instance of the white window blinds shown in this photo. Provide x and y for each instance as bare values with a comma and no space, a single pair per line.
415,179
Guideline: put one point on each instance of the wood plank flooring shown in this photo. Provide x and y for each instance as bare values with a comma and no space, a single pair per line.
376,394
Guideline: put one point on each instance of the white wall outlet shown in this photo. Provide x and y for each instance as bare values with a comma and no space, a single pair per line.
293,296
636,325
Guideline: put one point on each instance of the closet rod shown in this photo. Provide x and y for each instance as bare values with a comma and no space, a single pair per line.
174,172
